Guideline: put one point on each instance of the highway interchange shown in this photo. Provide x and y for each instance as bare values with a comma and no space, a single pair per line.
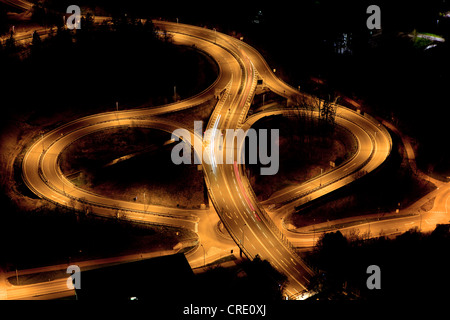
255,228
240,65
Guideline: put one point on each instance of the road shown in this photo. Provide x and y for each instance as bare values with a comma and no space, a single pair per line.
41,170
230,192
19,4
57,288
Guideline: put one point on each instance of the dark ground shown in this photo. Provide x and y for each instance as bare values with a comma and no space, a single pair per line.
92,71
151,171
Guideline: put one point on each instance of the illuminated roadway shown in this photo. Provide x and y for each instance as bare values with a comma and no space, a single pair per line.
230,191
19,4
255,233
